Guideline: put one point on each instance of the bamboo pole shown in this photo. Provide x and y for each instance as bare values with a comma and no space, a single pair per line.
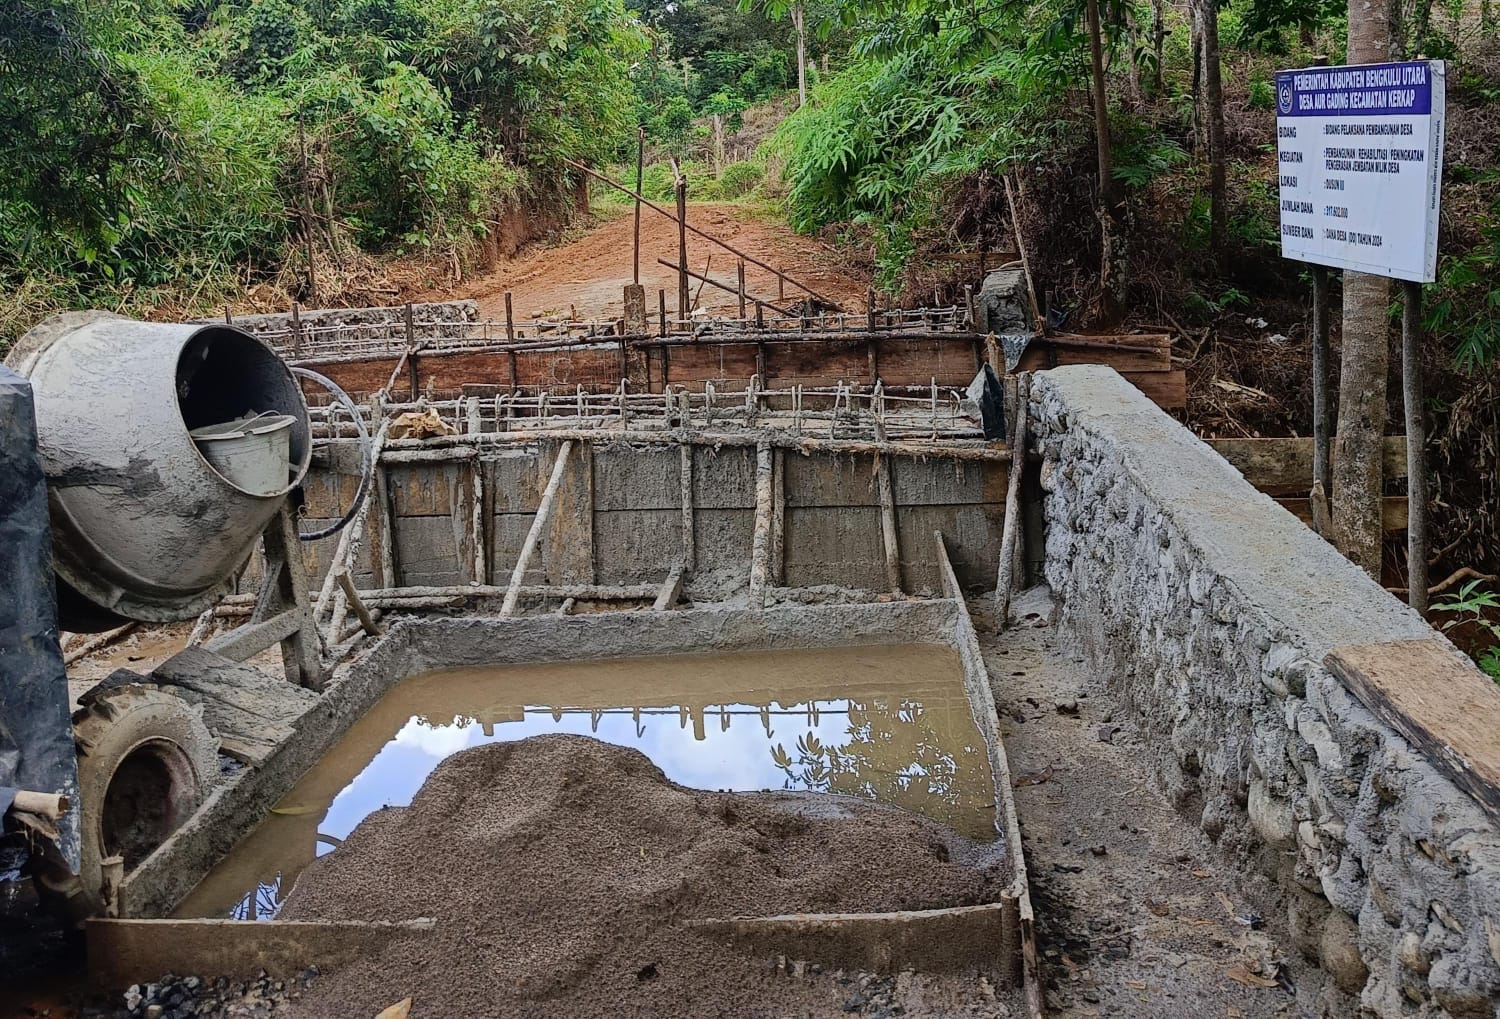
98,642
1015,222
350,538
362,613
888,536
778,519
760,555
685,476
538,526
1011,530
1416,454
803,444
52,806
684,309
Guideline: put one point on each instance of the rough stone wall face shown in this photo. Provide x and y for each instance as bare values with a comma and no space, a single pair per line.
1207,610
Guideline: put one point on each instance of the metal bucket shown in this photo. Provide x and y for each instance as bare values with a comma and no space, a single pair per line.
144,525
252,453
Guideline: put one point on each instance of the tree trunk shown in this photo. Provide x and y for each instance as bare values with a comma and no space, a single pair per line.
1414,45
1357,476
1158,41
1213,98
799,22
1132,66
1195,41
1109,205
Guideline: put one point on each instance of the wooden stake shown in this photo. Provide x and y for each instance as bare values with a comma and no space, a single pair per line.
671,590
1010,532
684,309
685,474
1015,222
640,171
365,622
97,642
510,320
52,806
1322,408
888,536
1416,454
778,519
538,527
760,554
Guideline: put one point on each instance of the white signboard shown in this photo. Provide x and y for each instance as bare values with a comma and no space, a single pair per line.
1361,163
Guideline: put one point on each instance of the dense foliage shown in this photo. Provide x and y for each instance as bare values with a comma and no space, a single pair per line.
192,142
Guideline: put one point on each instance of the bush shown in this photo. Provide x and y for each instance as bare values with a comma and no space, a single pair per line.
739,179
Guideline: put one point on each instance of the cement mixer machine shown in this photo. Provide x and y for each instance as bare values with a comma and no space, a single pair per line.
141,465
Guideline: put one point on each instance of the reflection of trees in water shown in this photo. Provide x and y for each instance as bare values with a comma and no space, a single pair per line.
901,753
261,903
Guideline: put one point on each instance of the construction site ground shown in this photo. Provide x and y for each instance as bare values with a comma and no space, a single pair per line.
1137,913
586,273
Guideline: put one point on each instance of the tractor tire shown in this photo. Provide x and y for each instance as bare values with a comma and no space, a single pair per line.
146,761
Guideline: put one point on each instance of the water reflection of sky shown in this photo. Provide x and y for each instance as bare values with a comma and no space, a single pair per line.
737,757
927,760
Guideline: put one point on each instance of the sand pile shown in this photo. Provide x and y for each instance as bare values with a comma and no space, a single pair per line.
558,869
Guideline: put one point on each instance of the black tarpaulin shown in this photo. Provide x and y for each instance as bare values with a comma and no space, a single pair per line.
989,395
36,730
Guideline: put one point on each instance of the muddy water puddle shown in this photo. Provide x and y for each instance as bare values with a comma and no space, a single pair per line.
885,723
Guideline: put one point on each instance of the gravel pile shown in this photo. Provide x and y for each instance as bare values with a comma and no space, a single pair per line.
174,997
559,869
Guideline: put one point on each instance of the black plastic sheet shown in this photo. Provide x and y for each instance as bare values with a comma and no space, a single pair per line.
36,728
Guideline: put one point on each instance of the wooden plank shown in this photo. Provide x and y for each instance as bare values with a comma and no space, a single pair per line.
251,712
124,952
954,939
1167,390
1041,355
1285,465
245,642
1433,695
1392,510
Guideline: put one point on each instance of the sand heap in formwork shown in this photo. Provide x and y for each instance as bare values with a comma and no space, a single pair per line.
558,869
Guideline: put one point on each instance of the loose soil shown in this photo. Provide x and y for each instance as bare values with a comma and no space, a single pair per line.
586,276
559,869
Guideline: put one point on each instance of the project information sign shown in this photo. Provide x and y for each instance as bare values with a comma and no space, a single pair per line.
1360,150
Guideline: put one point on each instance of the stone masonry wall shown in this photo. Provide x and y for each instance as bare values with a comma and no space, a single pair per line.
1207,610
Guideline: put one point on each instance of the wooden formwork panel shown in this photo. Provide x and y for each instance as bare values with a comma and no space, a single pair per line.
949,361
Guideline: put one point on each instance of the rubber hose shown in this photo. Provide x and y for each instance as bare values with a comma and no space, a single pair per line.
367,463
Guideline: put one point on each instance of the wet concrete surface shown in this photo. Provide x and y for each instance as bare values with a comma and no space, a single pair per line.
889,723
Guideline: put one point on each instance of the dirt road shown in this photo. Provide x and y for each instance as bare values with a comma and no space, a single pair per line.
586,276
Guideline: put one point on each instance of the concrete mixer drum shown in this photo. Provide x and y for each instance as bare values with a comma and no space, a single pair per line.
146,524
